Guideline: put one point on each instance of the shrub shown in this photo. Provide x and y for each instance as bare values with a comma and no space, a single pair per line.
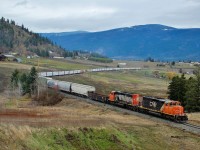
48,98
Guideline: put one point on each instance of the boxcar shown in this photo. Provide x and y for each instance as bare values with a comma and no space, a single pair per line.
97,97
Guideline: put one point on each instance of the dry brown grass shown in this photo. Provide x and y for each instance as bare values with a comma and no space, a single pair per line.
19,117
194,118
13,65
47,98
74,114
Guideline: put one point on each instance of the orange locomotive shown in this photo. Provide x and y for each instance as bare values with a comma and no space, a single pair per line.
124,99
162,107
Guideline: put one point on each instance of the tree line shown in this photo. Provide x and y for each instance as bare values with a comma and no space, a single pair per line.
41,53
187,91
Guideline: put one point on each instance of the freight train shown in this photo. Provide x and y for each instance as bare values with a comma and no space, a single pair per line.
164,108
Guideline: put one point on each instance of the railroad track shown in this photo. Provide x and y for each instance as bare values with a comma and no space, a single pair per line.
183,126
192,125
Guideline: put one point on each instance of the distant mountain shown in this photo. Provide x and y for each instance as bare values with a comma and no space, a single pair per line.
18,39
48,35
137,42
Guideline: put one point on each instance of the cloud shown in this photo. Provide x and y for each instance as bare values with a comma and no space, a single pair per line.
21,3
95,15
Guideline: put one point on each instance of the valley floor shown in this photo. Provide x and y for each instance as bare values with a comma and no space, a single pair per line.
74,124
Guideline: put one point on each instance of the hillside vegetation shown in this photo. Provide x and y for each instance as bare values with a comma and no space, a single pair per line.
18,39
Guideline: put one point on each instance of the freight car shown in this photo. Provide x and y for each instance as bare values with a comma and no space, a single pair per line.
70,87
165,108
81,89
98,97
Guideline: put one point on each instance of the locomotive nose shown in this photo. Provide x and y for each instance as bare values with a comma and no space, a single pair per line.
178,110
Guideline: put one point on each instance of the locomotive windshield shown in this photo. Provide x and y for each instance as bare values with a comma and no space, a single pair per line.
174,104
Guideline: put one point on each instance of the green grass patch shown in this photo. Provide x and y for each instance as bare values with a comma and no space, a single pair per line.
127,81
82,138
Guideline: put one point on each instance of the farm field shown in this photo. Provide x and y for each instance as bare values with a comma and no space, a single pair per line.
74,124
127,81
56,64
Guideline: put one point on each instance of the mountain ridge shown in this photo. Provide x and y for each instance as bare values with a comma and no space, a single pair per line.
137,42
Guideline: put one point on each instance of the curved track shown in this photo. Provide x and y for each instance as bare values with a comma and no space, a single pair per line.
183,126
192,125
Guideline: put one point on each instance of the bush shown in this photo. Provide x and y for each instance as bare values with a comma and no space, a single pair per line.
48,98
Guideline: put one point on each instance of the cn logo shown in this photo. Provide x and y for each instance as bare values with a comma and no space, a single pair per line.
153,104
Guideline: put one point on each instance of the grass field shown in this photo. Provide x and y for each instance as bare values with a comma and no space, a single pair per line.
73,124
55,64
129,81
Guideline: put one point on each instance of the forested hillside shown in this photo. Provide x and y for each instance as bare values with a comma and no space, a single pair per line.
18,39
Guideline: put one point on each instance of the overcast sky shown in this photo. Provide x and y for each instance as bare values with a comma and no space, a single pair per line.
97,15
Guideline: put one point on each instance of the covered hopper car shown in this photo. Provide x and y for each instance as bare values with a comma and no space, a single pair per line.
70,87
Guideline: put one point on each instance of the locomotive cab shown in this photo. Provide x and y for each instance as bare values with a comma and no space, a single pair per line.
174,108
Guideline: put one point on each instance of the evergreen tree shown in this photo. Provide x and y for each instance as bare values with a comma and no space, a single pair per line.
190,95
15,78
2,19
173,63
182,89
186,91
28,82
24,85
177,89
197,74
195,90
12,22
22,27
172,88
32,80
